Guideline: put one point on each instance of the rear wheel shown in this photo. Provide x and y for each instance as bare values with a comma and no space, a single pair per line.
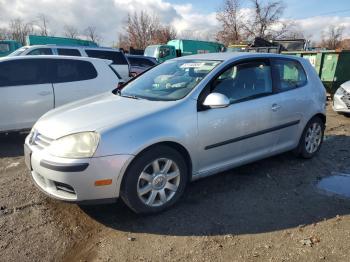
155,180
311,139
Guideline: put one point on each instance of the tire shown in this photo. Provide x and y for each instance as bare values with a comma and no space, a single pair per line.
311,139
148,187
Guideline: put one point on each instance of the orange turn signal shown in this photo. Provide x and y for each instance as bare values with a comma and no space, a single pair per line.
104,182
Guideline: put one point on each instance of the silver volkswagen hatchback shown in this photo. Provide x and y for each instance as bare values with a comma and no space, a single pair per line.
185,119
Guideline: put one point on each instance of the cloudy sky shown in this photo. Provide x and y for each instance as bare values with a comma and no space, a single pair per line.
194,17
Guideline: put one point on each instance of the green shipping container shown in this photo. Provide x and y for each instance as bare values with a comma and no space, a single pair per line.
332,66
53,40
8,46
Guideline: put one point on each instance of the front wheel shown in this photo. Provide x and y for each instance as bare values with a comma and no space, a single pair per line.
155,180
311,139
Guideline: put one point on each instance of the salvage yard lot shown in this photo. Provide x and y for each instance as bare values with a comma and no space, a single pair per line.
270,210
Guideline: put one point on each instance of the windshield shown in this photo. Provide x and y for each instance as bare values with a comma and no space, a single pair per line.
18,51
169,81
151,51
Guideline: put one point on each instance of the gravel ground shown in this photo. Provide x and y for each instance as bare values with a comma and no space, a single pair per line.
270,210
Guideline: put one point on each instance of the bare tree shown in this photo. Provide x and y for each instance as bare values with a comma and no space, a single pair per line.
70,31
332,37
91,34
345,44
43,23
18,30
141,28
123,42
266,21
164,34
3,33
231,22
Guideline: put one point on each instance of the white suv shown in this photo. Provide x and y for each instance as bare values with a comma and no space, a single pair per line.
32,85
120,63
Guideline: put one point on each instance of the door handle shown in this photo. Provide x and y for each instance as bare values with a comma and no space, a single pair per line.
44,93
275,107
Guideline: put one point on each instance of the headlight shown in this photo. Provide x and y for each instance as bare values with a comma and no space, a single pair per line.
340,91
79,145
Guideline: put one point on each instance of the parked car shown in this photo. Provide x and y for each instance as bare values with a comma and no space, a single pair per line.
182,120
32,85
140,63
120,63
341,99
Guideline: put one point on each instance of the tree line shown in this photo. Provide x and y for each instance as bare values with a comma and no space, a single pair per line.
259,18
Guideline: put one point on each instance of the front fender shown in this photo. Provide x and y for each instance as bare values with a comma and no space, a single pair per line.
177,124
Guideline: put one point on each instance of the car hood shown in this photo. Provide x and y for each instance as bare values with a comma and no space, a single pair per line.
95,114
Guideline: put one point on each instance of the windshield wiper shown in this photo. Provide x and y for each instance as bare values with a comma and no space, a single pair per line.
119,93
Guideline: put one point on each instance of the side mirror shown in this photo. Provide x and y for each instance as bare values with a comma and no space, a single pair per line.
216,100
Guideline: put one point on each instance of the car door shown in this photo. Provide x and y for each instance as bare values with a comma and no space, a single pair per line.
290,101
25,93
74,80
242,131
120,63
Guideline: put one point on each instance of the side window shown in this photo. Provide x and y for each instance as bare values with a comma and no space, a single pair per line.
117,57
146,63
142,62
164,52
244,81
41,51
4,47
290,73
68,52
23,72
67,70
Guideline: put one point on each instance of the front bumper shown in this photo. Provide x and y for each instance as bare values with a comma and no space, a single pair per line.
74,179
341,103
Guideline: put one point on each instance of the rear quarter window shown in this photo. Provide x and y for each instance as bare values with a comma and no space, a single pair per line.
66,70
41,51
290,74
117,57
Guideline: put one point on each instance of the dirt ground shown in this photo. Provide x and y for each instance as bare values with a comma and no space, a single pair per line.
270,210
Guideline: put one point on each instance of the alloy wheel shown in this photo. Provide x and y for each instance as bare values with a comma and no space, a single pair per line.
313,138
158,182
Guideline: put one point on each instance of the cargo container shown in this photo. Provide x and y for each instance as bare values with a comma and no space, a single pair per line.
332,66
8,46
54,40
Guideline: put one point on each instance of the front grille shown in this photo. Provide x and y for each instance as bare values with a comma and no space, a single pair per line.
40,140
346,99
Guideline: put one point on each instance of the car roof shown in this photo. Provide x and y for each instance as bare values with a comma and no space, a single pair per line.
11,58
73,47
140,56
228,56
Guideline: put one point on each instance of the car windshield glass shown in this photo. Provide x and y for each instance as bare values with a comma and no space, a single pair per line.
18,51
169,81
151,51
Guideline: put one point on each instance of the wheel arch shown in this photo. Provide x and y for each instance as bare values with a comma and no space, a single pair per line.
174,145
